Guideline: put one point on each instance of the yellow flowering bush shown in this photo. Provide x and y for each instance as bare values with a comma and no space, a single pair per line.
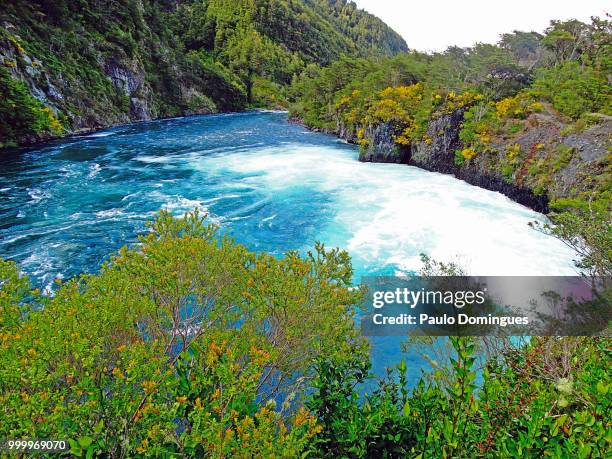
117,362
518,106
451,102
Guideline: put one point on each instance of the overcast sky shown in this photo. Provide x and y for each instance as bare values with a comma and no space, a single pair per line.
433,25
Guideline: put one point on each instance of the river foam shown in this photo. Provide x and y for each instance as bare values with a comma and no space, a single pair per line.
272,185
387,214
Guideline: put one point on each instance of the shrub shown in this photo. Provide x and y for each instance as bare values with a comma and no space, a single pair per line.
192,346
574,89
21,115
546,398
517,107
176,346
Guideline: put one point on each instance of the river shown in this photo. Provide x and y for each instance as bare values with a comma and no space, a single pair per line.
275,186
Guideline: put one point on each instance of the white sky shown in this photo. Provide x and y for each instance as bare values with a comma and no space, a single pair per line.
433,25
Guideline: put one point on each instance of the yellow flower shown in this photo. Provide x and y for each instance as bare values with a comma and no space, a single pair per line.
143,446
468,153
536,107
149,386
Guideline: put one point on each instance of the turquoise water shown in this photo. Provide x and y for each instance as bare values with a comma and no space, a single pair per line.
274,186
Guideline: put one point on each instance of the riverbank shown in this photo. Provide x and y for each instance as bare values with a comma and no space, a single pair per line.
82,132
562,159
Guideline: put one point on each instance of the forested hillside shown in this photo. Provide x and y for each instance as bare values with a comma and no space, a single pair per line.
187,344
70,65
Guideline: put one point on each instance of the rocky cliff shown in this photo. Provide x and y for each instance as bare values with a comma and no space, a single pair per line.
51,89
549,159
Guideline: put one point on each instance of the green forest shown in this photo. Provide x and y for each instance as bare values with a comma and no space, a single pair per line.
188,344
70,65
519,110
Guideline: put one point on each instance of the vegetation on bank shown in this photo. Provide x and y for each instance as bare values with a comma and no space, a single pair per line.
534,110
506,81
190,345
498,88
100,63
21,115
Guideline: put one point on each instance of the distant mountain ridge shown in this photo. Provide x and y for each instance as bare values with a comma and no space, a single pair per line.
75,65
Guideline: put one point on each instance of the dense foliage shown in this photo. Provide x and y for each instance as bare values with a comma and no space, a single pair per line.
190,345
526,404
574,82
97,63
21,114
183,345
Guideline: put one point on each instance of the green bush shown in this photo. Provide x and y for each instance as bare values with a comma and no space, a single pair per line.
177,347
574,89
21,115
190,345
546,399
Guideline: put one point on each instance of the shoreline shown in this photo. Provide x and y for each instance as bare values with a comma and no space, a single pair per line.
88,131
84,132
510,190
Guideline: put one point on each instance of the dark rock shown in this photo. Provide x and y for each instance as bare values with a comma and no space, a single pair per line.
382,148
345,133
522,195
126,78
439,154
139,109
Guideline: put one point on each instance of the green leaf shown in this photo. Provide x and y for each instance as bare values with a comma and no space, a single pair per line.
84,442
99,426
602,387
75,449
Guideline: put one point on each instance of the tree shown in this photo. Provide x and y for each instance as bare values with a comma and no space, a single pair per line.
585,226
567,40
250,54
525,46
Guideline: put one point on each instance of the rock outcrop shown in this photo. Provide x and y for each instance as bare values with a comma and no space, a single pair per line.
439,155
554,162
381,147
